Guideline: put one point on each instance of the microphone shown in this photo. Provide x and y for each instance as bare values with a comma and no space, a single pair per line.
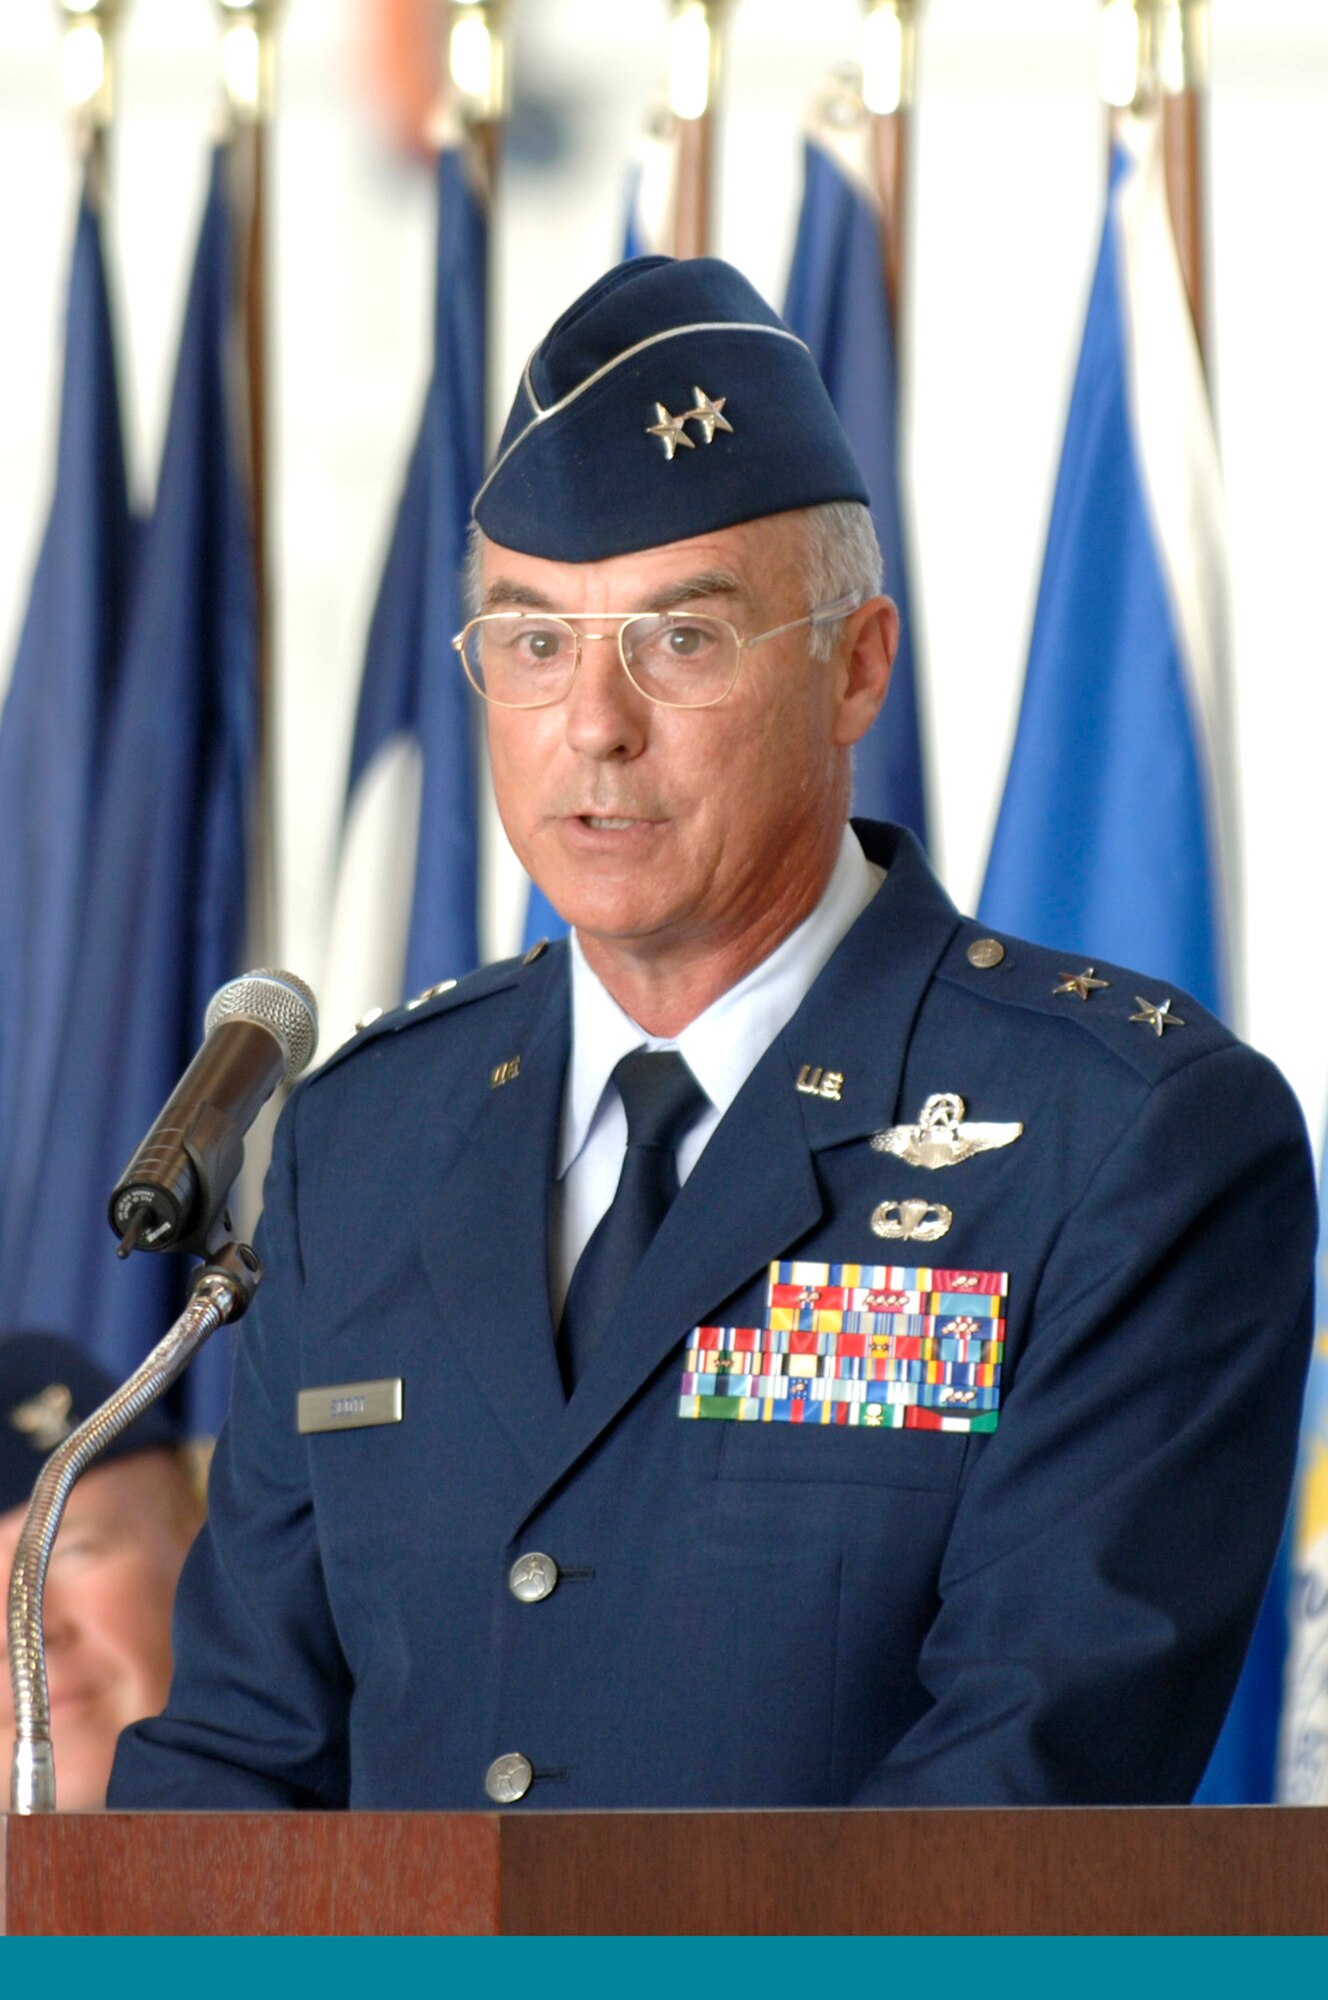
259,1031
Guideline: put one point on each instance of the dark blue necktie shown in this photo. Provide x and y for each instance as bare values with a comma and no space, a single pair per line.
662,1100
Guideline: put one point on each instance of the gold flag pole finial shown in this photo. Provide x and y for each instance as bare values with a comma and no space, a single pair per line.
1152,48
889,53
1182,38
477,60
1127,54
87,77
248,59
694,56
474,92
695,69
1153,56
889,61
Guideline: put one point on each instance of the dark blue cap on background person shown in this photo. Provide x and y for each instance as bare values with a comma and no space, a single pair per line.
668,401
47,1387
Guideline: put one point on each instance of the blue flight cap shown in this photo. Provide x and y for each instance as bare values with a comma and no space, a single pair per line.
670,400
47,1387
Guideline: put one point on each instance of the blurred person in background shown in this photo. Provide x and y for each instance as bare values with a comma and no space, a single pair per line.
111,1585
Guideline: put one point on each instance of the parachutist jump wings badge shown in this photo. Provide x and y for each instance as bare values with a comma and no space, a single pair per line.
941,1138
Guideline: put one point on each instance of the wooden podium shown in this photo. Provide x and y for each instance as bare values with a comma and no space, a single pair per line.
1095,1871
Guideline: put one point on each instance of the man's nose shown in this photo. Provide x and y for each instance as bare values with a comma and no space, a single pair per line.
607,716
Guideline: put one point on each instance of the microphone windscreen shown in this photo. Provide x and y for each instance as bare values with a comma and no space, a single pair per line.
277,1001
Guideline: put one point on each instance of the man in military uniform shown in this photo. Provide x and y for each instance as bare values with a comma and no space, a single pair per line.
785,1347
116,1561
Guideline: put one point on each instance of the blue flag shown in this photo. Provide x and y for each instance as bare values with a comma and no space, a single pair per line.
1303,1770
51,735
163,924
406,912
1115,831
1109,839
837,302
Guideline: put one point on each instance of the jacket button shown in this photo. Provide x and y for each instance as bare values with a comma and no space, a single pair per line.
532,1577
508,1778
985,952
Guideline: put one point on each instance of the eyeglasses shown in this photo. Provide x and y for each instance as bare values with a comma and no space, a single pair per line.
680,659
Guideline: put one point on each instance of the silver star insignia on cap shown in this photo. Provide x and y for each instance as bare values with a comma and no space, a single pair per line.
44,1418
941,1138
1159,1018
707,413
669,430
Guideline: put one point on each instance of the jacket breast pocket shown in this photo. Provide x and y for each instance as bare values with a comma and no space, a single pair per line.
839,1453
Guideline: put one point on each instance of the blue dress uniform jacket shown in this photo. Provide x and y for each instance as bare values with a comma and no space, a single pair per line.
756,1613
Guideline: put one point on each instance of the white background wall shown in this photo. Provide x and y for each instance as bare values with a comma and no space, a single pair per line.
1008,180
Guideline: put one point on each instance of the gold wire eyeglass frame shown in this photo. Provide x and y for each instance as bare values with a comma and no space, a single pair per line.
821,614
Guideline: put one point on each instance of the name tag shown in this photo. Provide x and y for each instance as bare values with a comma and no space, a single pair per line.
349,1406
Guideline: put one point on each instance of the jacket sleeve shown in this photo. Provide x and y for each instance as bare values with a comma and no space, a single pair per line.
1114,1537
258,1702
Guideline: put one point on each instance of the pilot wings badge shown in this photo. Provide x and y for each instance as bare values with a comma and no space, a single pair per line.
941,1138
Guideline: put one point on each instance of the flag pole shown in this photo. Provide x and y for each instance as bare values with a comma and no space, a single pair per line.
889,51
474,92
87,82
472,107
695,56
1184,133
1153,49
248,77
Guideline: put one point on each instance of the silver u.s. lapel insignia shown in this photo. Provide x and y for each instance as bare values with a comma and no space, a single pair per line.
813,1081
941,1137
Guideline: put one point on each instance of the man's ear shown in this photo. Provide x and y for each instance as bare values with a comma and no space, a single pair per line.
867,648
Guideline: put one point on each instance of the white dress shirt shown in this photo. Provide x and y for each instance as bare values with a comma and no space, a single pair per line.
722,1047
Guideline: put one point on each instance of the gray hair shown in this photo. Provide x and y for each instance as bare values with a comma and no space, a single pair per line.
841,558
472,570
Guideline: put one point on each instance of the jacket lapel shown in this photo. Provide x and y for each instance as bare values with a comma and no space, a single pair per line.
754,1192
485,1241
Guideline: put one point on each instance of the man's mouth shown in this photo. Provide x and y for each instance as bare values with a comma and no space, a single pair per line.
607,825
62,1698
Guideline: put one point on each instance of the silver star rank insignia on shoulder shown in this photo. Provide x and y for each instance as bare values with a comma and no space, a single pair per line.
941,1137
1157,1017
1081,984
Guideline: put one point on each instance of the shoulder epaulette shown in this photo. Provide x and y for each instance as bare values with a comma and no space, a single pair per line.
1151,1026
442,998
